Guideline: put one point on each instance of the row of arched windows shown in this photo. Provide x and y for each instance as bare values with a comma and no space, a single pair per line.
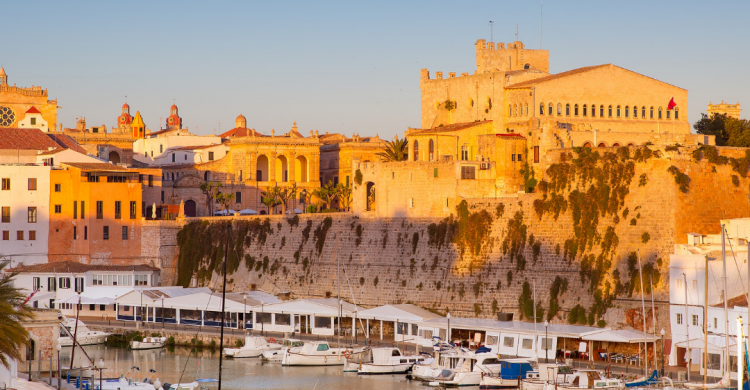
518,110
431,156
603,111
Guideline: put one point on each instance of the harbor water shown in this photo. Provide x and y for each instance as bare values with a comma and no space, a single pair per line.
238,374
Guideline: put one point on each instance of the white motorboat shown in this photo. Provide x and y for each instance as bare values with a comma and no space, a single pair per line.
387,361
254,347
511,372
276,355
551,376
126,382
469,370
148,343
84,335
319,353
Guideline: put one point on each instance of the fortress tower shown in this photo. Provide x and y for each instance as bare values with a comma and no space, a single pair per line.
514,56
174,122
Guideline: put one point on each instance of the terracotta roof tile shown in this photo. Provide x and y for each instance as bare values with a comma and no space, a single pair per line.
25,139
67,142
529,83
95,166
73,267
33,110
241,132
195,147
448,128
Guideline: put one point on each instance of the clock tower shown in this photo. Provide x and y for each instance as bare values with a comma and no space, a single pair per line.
125,120
174,122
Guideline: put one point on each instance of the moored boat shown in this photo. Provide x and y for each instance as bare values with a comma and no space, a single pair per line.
84,335
276,355
254,347
385,361
319,353
511,372
468,370
148,343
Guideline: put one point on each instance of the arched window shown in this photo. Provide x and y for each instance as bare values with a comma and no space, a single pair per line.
659,112
618,111
527,109
575,110
416,151
549,109
587,145
559,109
510,110
602,145
651,113
616,145
643,112
541,108
593,110
567,109
635,112
676,113
609,111
627,111
515,110
172,176
584,110
668,114
601,111
432,150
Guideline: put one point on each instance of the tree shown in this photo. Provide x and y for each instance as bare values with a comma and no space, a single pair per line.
270,198
285,195
395,150
326,194
13,336
225,200
210,188
727,130
344,193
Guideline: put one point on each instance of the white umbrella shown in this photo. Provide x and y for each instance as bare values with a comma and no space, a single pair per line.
221,212
248,212
297,211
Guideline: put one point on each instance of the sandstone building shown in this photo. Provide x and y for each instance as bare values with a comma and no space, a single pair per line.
26,107
338,152
730,110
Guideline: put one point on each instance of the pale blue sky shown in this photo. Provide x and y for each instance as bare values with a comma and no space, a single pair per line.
344,66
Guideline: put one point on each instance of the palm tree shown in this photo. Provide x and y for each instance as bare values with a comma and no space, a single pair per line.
285,195
225,200
270,198
326,194
210,188
344,193
395,150
13,336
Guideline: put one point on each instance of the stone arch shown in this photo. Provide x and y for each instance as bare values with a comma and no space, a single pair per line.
630,144
416,150
207,176
282,168
601,145
261,173
370,196
191,208
616,145
114,157
587,144
300,169
432,150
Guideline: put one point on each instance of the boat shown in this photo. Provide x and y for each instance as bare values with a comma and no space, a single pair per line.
429,369
148,343
254,347
384,361
467,370
552,376
276,355
511,372
85,336
319,353
126,382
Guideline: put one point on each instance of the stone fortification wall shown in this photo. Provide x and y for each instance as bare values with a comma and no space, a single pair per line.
576,240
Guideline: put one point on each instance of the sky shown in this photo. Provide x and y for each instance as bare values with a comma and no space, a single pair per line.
345,67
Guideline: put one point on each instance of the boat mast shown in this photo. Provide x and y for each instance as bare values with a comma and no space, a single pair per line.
726,291
643,307
536,338
223,301
338,282
705,324
687,330
75,332
653,317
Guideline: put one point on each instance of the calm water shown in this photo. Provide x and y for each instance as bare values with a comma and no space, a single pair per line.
238,374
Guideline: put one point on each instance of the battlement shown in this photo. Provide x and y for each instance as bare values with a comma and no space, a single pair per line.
33,91
492,57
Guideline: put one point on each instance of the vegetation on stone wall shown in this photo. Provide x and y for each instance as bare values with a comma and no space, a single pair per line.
559,286
682,180
320,234
526,304
472,230
515,239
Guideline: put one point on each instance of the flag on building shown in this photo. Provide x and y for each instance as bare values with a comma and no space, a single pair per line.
671,104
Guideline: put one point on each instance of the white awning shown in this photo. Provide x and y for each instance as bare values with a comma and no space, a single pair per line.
619,336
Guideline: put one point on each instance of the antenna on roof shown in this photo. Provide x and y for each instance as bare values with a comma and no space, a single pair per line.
491,24
516,32
541,24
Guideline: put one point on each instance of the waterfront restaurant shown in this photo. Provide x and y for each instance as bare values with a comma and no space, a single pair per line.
248,299
316,316
147,304
403,318
204,309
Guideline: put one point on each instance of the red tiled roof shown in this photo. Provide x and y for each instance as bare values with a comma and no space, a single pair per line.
95,166
449,128
33,110
529,83
740,300
73,267
25,139
67,142
241,132
196,147
511,135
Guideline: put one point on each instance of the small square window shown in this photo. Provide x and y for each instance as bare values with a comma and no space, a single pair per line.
32,184
58,187
6,235
106,232
19,235
32,235
58,209
6,184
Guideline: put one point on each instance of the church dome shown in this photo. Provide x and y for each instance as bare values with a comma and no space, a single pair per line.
240,121
125,105
174,107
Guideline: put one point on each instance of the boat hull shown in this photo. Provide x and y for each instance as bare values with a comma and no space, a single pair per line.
137,345
497,383
296,359
378,369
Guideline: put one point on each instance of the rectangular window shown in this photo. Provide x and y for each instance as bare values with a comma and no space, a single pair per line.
124,232
240,175
36,283
79,285
411,203
464,153
335,181
58,188
513,157
6,184
679,319
173,157
143,209
601,111
162,197
716,323
32,215
434,173
64,282
238,197
99,209
6,214
6,235
508,342
210,156
106,232
92,306
51,284
520,157
527,343
140,179
75,232
536,154
150,180
75,209
85,232
32,184
468,172
161,148
102,307
118,209
83,209
546,343
133,209
694,318
32,235
33,121
19,235
347,180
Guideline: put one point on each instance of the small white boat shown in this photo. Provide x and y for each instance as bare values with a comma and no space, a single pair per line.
468,371
254,347
429,369
276,355
388,361
552,376
84,335
319,353
149,343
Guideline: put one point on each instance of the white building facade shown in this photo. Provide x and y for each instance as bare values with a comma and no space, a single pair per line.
174,149
24,213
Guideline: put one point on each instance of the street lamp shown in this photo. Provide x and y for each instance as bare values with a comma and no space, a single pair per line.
449,327
100,366
59,348
662,351
356,311
262,303
244,313
163,314
546,342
